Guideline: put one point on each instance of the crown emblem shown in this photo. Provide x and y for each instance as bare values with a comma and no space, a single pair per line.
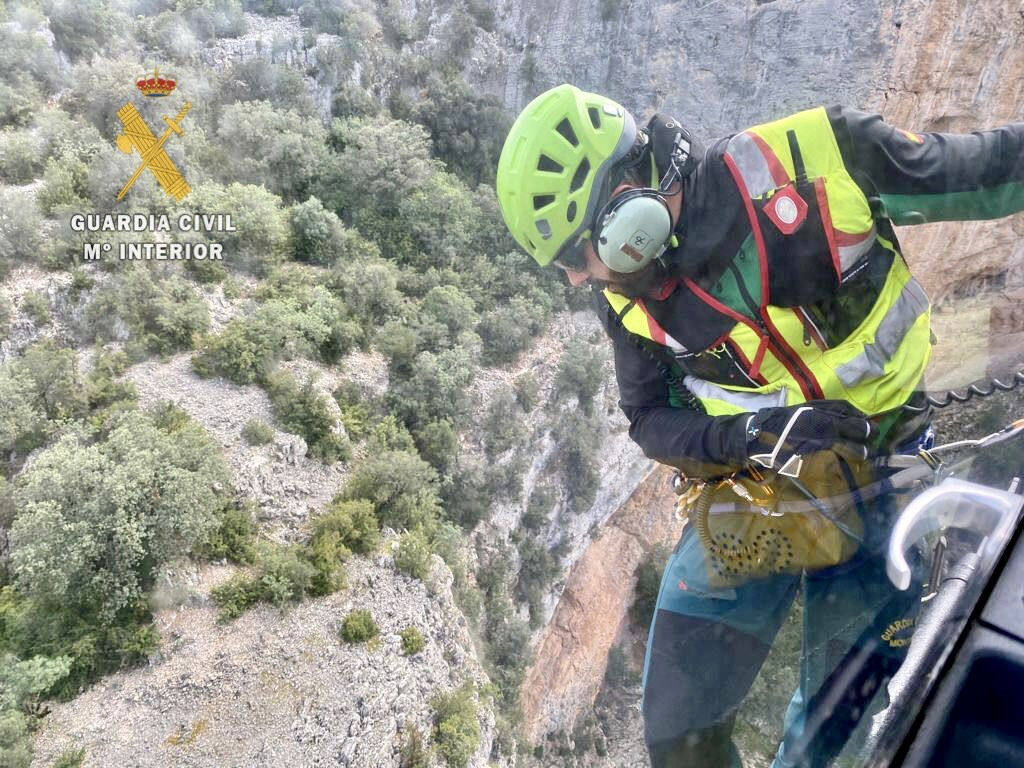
155,84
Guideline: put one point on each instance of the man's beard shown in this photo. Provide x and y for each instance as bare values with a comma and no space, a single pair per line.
639,284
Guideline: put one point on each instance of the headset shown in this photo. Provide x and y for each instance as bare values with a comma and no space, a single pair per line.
635,228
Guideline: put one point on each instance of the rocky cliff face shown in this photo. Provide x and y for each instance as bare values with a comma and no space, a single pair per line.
275,688
572,650
718,64
958,68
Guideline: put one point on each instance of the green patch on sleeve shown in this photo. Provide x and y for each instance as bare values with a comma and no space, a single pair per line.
990,203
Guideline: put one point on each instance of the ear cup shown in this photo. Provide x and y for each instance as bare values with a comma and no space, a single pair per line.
633,230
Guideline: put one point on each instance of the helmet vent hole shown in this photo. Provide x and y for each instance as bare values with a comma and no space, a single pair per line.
567,132
595,117
544,228
580,176
539,201
547,164
570,212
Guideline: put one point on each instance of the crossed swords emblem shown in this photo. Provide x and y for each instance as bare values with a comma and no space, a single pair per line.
137,136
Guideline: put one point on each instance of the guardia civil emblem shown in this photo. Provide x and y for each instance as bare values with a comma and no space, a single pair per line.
137,137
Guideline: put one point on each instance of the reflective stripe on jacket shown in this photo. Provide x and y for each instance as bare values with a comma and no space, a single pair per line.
812,234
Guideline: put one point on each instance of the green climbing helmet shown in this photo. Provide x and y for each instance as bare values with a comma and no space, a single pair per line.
554,167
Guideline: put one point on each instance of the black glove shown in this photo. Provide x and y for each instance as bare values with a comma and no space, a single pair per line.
828,425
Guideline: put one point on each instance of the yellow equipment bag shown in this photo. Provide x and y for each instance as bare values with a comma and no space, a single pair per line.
753,525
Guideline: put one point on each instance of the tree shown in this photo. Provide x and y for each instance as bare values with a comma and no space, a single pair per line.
280,149
96,519
21,681
81,29
162,315
581,372
456,728
262,236
375,164
401,487
21,228
40,390
468,129
317,234
438,391
450,309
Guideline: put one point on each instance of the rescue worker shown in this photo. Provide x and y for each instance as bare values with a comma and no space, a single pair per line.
740,283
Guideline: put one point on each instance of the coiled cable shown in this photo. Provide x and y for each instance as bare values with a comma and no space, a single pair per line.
974,390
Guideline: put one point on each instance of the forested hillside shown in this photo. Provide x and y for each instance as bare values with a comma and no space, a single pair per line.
365,343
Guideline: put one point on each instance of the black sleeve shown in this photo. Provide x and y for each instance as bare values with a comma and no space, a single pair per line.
699,444
922,177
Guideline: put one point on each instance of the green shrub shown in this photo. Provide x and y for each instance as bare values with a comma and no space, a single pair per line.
467,128
648,574
5,315
142,492
21,228
353,521
70,758
41,389
262,235
456,728
257,432
233,538
412,641
400,485
390,435
538,507
439,389
509,329
106,393
399,344
448,309
280,149
64,184
235,596
505,480
296,319
355,411
414,754
413,555
581,372
358,627
163,315
527,391
20,160
318,236
466,497
37,307
327,554
15,743
285,574
438,444
365,283
304,411
578,436
539,567
503,423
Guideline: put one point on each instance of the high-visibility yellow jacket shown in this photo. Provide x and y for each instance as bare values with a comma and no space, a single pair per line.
791,285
